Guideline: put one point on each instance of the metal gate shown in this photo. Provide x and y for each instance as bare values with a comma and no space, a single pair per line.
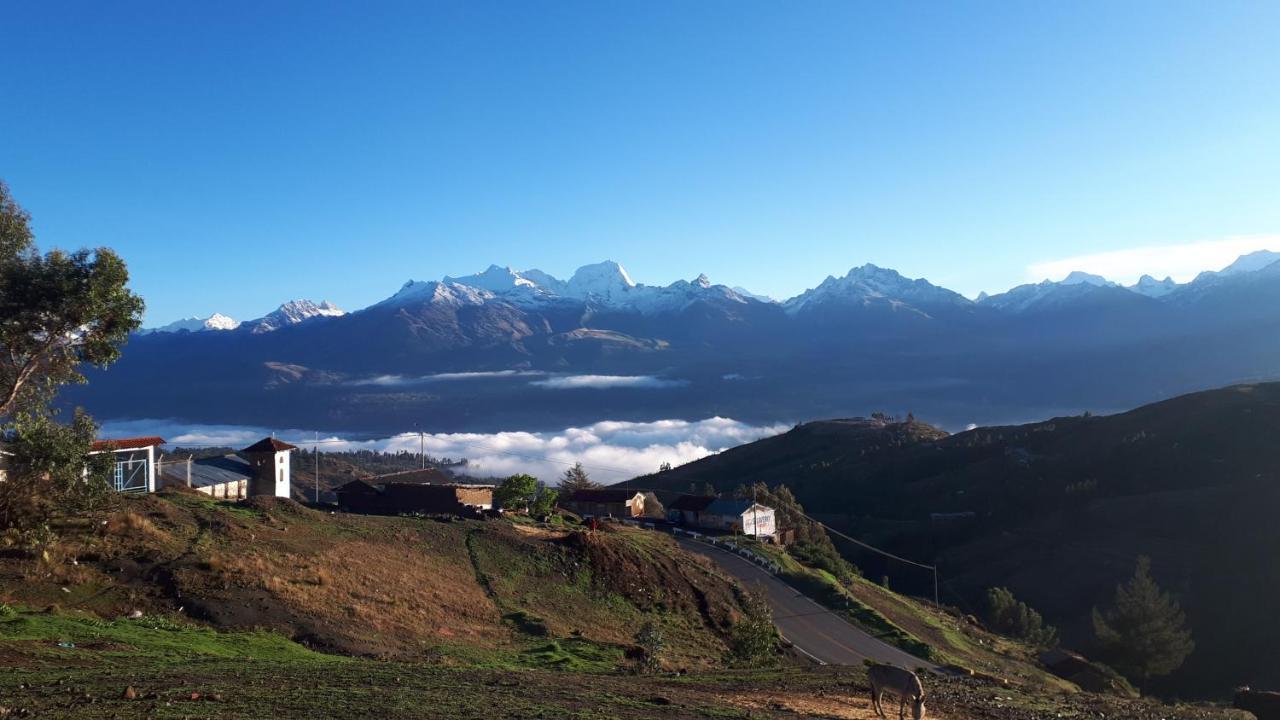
131,475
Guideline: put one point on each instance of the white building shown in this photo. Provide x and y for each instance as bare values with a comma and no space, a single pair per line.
134,462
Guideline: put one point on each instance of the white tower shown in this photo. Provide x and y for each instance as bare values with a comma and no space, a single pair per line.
270,460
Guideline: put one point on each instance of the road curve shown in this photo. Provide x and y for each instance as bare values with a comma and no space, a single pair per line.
814,630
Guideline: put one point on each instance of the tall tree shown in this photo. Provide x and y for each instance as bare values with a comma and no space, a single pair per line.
58,310
1144,634
576,478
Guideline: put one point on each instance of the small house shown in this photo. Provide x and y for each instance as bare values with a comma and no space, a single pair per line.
133,466
653,507
710,513
744,516
605,502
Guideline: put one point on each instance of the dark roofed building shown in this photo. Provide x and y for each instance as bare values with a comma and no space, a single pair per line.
404,498
711,513
605,502
687,509
424,476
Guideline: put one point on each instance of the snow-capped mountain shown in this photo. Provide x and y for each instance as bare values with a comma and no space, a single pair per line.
432,292
754,296
292,313
216,321
606,282
872,285
1252,262
496,280
601,286
1152,287
1076,287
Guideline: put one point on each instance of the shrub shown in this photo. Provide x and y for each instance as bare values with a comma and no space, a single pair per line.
651,643
754,638
1010,616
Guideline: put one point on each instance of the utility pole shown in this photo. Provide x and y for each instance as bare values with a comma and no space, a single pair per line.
755,527
315,449
936,604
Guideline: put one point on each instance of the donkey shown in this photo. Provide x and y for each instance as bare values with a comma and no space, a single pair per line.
900,683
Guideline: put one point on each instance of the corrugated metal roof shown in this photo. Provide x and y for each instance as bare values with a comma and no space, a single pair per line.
210,471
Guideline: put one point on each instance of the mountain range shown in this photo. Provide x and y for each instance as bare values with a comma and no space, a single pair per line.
458,353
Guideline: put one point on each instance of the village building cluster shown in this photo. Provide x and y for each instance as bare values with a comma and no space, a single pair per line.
264,469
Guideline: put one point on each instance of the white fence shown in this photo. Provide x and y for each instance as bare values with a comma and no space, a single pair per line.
730,546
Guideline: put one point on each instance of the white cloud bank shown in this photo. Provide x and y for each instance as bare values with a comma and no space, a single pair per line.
600,382
401,380
1182,262
610,450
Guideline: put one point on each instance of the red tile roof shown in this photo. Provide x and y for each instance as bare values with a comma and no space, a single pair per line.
269,444
127,443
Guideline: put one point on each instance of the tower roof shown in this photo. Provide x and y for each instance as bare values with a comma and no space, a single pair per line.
269,444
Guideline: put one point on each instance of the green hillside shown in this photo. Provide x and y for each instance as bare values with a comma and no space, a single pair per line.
1061,510
176,606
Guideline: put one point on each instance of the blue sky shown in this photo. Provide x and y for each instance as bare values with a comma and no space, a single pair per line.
242,154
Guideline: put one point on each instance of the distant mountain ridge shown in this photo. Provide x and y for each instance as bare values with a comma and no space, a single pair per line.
608,285
290,313
870,339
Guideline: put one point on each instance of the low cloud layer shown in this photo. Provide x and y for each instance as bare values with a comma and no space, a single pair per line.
402,380
611,450
600,382
1181,262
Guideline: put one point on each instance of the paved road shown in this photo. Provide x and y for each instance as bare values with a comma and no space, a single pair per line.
816,631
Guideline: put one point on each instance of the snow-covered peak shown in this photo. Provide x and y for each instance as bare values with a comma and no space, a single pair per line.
294,312
416,292
544,280
216,321
495,279
606,281
1250,263
754,296
1079,277
702,281
870,284
1154,288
